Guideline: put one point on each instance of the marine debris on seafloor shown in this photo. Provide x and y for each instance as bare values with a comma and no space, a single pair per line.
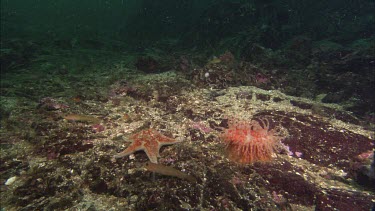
168,171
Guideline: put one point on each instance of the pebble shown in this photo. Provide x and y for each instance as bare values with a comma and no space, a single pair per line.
10,180
133,198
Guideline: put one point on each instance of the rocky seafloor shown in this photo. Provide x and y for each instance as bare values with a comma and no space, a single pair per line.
51,162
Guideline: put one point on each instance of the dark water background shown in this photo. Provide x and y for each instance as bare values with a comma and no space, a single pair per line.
269,23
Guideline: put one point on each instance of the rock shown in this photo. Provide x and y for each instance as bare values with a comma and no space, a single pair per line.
11,180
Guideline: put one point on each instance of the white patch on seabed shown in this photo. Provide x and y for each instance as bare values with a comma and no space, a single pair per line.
10,180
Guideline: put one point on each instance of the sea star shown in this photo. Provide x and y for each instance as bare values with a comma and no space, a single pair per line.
149,141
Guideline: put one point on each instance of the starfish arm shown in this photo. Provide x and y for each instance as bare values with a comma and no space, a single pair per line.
161,144
170,142
153,157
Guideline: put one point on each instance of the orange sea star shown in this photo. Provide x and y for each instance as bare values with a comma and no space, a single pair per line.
149,141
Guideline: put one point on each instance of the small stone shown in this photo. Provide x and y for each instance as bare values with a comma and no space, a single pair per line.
131,171
133,198
11,180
